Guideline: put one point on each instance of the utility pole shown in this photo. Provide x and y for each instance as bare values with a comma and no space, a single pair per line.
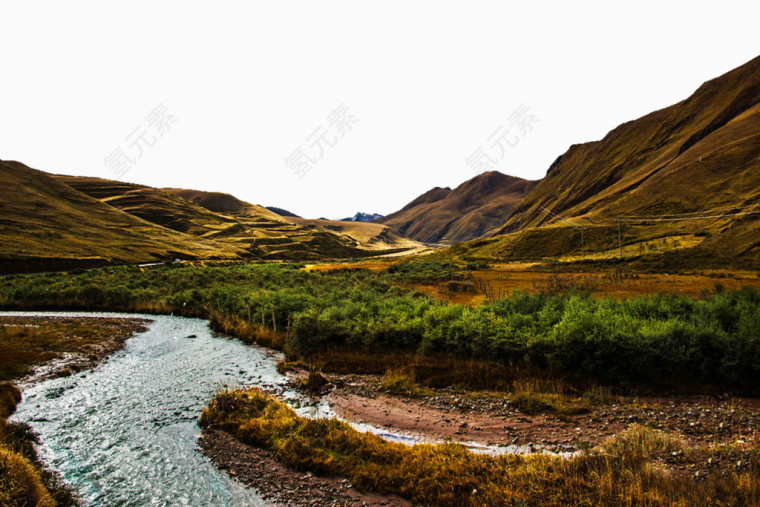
620,244
583,246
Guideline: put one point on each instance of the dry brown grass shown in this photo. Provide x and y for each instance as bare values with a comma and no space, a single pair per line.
20,482
541,395
28,342
10,396
503,281
401,383
618,473
370,264
22,479
247,332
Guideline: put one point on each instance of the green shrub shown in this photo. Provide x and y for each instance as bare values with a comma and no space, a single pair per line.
666,339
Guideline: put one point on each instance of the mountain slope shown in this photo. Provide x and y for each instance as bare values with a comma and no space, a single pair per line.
697,158
475,208
50,222
282,212
651,165
45,223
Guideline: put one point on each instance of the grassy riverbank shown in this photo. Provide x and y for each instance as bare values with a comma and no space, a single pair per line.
23,479
356,319
29,342
619,472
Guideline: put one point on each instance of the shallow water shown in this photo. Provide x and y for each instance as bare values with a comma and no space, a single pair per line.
126,433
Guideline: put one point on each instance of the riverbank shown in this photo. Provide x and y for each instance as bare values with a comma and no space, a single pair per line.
38,348
257,468
35,349
639,465
510,420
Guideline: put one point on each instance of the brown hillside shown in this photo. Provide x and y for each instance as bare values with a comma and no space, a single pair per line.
696,155
697,158
220,202
247,228
45,223
475,208
369,235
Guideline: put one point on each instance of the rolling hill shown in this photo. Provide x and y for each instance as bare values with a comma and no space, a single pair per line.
365,234
46,224
476,208
60,222
248,227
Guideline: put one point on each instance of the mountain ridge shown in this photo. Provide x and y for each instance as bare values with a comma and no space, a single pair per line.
475,208
654,176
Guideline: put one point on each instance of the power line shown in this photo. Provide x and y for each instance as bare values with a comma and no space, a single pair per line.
706,217
675,217
553,214
686,213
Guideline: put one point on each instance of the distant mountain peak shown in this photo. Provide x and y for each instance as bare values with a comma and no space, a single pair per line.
363,217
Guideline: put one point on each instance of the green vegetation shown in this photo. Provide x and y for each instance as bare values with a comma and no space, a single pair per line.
658,341
618,473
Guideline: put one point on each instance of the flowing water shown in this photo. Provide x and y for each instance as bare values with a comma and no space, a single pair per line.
126,433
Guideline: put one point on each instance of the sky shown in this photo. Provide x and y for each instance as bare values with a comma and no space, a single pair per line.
326,108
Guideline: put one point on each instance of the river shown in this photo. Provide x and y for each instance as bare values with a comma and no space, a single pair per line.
126,433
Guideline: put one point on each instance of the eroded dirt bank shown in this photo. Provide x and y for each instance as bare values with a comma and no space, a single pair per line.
493,419
717,435
702,423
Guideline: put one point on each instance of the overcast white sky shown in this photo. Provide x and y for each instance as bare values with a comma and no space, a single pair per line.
423,85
